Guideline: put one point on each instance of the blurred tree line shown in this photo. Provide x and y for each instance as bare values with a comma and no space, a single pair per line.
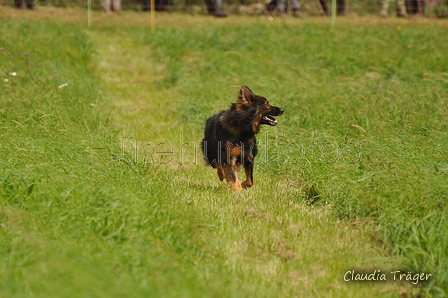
433,8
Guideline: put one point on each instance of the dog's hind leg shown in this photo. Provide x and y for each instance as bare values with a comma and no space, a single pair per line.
249,170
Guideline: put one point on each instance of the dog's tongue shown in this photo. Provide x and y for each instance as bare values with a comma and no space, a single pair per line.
271,120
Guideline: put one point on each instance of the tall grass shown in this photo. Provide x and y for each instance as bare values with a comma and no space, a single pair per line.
365,128
358,159
60,213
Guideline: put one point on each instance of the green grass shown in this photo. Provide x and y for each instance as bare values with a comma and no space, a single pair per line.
102,194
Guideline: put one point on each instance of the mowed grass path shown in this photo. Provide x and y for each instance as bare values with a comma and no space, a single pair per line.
160,224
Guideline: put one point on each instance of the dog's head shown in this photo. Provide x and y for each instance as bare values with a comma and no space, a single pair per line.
258,107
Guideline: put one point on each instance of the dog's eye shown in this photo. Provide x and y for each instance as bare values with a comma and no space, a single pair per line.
267,104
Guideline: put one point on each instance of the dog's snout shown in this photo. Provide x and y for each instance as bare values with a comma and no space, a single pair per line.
281,111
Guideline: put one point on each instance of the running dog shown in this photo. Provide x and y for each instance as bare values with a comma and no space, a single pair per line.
229,140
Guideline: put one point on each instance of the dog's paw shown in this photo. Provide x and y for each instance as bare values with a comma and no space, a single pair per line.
235,186
247,184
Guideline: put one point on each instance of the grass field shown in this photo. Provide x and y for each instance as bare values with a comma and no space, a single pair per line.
104,194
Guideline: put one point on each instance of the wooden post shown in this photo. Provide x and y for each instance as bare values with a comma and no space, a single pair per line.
153,15
333,13
89,13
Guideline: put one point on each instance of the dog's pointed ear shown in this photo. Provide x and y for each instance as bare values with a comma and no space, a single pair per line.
245,95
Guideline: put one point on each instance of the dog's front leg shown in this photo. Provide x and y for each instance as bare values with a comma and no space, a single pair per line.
249,170
231,174
220,172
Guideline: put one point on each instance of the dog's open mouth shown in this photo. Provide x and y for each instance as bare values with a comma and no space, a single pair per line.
269,120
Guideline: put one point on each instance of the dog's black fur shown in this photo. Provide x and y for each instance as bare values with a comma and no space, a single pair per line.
229,140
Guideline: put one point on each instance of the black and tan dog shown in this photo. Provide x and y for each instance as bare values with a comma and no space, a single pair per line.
229,141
